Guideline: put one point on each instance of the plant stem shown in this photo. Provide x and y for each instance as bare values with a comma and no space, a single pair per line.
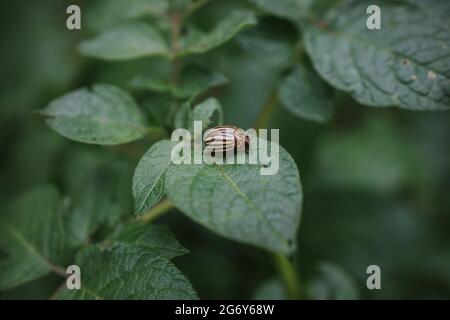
287,271
161,208
60,288
58,270
289,276
267,109
175,26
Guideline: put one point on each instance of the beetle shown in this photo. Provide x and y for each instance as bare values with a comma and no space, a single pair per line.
223,139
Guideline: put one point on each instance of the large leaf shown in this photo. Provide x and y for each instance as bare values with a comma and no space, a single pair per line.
291,9
192,80
33,236
148,179
304,94
128,40
405,63
239,203
156,238
436,8
197,41
103,115
128,272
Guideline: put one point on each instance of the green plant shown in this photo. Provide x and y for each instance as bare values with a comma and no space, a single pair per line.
125,257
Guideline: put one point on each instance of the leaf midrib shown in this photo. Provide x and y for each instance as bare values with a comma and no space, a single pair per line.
29,247
260,214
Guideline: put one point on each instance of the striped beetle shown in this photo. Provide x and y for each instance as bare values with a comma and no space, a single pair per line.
223,139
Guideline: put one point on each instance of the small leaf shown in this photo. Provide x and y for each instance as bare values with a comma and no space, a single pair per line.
128,40
198,42
33,236
290,9
106,13
237,202
204,112
105,115
155,238
405,63
304,94
183,116
192,80
332,283
272,289
128,272
148,179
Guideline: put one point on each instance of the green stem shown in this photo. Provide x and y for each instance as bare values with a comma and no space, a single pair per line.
287,271
267,109
58,290
161,208
289,276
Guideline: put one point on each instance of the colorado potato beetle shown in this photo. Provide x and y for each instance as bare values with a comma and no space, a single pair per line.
223,139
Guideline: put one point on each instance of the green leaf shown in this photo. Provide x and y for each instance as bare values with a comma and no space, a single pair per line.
179,5
33,236
128,40
237,202
272,41
404,64
156,238
106,13
105,115
272,289
98,187
197,41
332,283
183,116
148,179
438,9
204,111
304,94
128,272
290,9
192,80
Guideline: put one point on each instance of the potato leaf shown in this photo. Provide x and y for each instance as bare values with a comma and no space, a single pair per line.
128,40
405,63
34,246
104,115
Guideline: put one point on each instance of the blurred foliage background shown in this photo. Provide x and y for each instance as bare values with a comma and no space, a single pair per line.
376,180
